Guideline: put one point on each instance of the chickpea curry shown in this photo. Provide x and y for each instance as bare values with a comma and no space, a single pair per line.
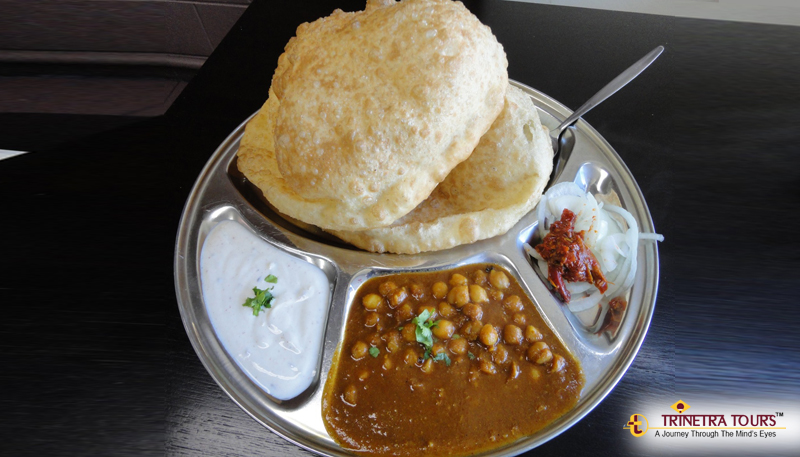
446,363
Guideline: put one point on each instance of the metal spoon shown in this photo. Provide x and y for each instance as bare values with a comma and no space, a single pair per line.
559,160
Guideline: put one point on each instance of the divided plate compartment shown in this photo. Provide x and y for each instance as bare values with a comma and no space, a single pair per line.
221,193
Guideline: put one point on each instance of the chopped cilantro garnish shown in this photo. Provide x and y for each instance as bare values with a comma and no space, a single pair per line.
373,351
471,355
263,299
400,329
442,356
425,336
456,336
423,330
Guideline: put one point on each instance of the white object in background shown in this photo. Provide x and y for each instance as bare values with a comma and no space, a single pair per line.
780,12
5,153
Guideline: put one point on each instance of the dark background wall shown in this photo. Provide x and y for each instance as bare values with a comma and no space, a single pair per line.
105,57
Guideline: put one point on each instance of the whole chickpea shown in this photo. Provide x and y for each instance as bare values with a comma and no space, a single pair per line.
387,287
478,294
512,334
458,280
371,320
540,353
446,310
479,277
498,279
374,339
437,349
410,357
404,313
500,355
371,301
473,311
409,333
417,292
487,367
439,290
513,304
350,395
430,309
458,346
397,297
532,334
458,296
444,329
359,350
471,330
393,341
558,364
488,335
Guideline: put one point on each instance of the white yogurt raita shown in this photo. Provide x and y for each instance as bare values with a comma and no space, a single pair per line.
279,348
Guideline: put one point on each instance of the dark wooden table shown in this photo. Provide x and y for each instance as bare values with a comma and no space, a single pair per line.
95,358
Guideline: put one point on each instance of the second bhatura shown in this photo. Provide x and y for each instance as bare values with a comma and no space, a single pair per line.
483,196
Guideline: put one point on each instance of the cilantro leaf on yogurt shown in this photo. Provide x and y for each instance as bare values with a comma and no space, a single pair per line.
263,298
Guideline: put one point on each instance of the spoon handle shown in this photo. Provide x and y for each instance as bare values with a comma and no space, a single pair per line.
616,84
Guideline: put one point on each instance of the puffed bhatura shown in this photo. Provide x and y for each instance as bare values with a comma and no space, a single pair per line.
483,196
369,111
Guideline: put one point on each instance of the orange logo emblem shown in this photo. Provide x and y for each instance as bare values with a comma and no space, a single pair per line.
637,425
680,406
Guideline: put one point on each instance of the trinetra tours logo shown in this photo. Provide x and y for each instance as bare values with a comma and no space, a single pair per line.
637,425
707,425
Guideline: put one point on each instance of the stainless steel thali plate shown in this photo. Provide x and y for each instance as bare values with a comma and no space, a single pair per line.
221,193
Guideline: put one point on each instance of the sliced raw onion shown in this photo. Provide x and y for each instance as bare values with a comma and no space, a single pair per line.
532,252
616,250
632,225
582,304
651,236
608,262
577,287
543,270
541,216
610,250
613,244
624,277
565,188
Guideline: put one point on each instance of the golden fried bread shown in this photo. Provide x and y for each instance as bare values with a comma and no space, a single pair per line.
483,196
369,111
